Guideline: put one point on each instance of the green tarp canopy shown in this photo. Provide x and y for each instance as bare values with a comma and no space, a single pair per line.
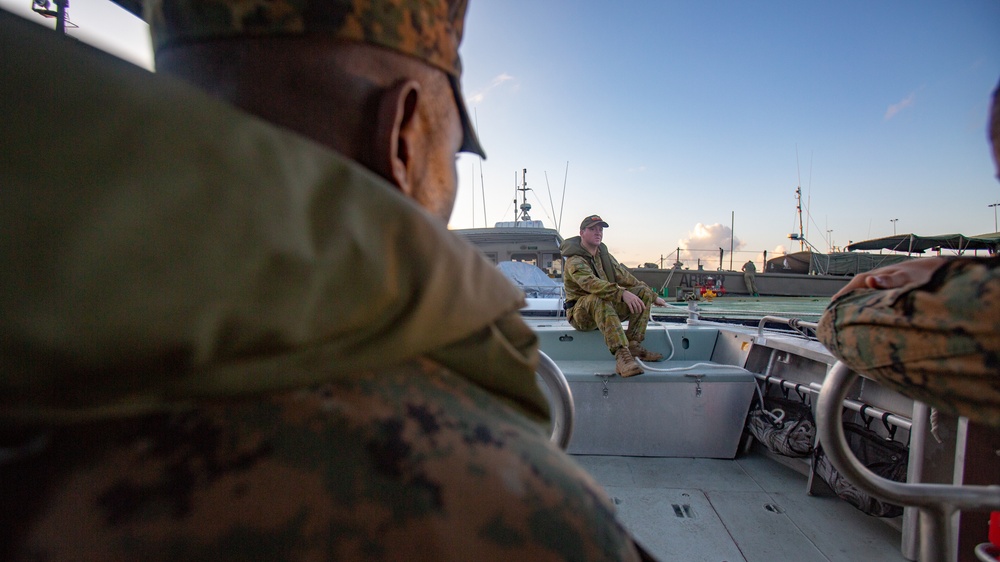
837,263
913,244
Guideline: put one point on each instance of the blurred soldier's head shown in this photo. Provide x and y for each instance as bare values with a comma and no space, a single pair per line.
376,80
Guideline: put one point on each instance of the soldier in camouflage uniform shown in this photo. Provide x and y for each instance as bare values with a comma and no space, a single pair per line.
601,293
237,343
928,328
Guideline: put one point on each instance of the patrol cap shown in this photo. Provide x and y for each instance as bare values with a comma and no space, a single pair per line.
429,30
591,221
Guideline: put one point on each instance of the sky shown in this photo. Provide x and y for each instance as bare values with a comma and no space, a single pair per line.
691,124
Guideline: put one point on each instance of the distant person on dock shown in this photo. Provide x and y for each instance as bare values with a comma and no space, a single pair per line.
749,271
601,293
928,328
253,337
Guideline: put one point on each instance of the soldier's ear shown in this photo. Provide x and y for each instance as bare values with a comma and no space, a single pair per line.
397,138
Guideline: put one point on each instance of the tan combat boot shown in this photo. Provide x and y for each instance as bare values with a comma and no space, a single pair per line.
625,365
642,353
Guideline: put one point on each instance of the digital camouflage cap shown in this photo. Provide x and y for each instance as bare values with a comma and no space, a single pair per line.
430,30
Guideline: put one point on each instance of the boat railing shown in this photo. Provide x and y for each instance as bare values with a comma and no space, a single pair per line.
936,503
560,399
807,329
544,300
797,326
867,411
544,291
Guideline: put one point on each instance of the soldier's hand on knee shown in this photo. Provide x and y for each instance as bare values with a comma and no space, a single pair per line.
633,302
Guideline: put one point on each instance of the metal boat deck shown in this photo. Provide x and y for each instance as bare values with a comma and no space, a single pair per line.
672,459
751,509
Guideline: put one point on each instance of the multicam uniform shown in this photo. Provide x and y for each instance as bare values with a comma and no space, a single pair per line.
594,286
938,342
271,354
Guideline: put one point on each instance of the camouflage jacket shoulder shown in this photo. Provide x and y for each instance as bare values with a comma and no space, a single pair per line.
407,463
938,342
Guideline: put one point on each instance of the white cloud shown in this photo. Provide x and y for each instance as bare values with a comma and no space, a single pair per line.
904,103
497,81
501,79
703,244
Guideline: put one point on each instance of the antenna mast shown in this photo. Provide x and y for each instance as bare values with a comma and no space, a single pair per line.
525,206
798,207
43,7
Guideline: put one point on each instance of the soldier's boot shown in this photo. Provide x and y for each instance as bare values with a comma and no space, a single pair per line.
642,353
625,365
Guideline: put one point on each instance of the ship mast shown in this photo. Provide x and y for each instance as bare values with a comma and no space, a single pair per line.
798,207
525,206
42,7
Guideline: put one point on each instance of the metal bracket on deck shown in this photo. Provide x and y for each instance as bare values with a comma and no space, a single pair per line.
697,382
604,377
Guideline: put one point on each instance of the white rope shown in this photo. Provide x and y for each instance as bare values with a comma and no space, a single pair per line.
646,367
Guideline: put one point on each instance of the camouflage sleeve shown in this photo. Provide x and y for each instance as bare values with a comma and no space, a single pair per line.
583,276
938,343
408,463
628,281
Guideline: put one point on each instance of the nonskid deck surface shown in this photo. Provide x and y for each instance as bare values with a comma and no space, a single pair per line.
751,509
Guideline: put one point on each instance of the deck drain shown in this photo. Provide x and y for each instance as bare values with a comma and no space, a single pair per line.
773,508
683,510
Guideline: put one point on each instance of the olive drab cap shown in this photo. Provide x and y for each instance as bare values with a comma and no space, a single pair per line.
591,221
429,30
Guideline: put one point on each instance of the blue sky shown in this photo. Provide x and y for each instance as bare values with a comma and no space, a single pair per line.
676,118
679,114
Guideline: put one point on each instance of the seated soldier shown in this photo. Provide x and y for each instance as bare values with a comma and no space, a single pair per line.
231,336
601,293
928,328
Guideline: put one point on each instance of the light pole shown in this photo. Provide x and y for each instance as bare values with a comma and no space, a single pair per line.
829,239
893,221
994,205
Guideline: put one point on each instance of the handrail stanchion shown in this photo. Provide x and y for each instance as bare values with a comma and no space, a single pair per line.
936,502
560,399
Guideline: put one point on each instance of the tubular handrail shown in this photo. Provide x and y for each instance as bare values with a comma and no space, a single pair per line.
560,399
936,502
793,323
860,407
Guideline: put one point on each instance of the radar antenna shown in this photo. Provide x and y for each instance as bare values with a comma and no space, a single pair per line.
525,206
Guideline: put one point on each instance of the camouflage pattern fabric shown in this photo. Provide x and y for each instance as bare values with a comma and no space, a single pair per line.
429,30
592,312
599,302
938,343
408,463
203,379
